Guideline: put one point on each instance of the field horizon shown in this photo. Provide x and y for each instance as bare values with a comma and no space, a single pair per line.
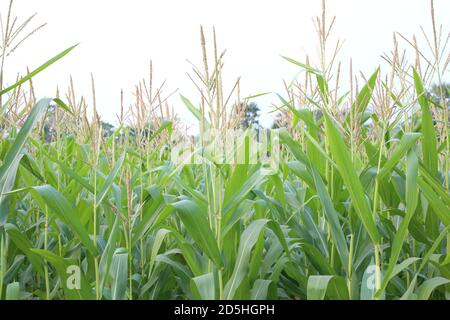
345,196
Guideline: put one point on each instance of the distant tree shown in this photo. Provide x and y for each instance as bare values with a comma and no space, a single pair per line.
251,115
108,129
435,94
50,125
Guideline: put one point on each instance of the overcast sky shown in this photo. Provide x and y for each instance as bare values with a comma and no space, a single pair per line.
118,38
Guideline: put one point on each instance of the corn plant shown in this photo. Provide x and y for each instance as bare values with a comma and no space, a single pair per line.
358,207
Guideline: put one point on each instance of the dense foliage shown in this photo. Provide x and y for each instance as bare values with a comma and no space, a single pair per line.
358,208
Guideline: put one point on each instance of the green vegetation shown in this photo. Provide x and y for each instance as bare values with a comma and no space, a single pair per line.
359,207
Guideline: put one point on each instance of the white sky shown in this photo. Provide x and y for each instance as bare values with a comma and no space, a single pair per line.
118,38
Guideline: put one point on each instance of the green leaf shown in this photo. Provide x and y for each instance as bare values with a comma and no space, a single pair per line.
318,261
364,96
321,82
241,266
239,186
119,274
293,146
63,268
198,228
260,289
302,65
65,211
429,149
63,105
203,287
157,242
332,217
439,207
412,196
345,166
408,140
426,289
6,186
21,138
108,252
403,265
23,243
68,171
437,242
14,269
256,95
110,180
38,70
13,291
332,286
11,161
194,111
166,125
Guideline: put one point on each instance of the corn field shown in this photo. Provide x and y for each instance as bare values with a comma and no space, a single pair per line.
356,207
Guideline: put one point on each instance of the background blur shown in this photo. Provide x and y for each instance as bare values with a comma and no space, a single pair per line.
118,39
